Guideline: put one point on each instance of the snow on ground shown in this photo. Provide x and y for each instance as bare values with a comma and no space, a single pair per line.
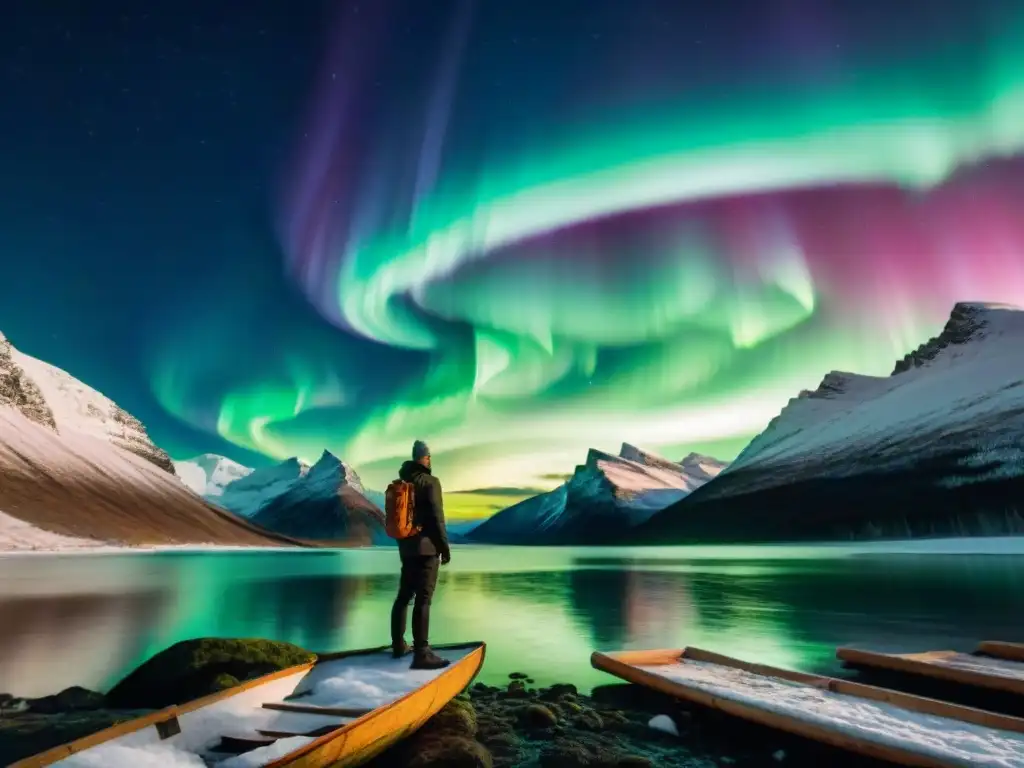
985,665
18,536
76,407
960,743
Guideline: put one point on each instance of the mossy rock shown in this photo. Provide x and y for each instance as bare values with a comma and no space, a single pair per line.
537,716
193,668
440,751
457,718
223,682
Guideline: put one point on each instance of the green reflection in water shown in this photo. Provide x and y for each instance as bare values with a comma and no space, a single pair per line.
541,611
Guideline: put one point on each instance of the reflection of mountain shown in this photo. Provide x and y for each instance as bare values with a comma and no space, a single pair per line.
599,599
50,642
312,611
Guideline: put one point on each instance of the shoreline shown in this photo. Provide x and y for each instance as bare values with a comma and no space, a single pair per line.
512,726
971,545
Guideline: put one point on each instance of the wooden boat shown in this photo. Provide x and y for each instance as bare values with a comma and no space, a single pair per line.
993,665
301,717
879,723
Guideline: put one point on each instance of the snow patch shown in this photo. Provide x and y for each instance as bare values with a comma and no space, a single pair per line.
368,681
877,722
209,474
112,755
663,723
985,665
264,755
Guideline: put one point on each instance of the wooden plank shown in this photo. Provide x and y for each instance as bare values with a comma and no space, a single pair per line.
612,664
924,664
313,709
1001,650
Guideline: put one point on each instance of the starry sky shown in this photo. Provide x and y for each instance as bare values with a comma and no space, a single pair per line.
515,230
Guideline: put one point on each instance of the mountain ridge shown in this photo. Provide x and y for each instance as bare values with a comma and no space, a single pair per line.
938,436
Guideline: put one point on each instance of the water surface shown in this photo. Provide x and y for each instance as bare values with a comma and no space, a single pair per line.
86,620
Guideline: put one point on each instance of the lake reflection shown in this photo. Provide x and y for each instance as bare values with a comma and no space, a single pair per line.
87,620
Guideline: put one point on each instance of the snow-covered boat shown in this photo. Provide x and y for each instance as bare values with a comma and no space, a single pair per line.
879,723
339,710
994,665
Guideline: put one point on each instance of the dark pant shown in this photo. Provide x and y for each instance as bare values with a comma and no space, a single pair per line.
419,577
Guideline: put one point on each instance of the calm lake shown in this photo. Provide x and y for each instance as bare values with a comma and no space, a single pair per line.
86,620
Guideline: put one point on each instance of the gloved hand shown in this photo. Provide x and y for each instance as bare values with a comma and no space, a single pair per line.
446,557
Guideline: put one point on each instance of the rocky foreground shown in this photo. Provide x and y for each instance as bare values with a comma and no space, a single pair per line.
517,725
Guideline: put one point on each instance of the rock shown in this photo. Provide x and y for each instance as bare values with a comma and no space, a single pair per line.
567,754
458,718
537,716
441,751
223,682
634,761
74,699
14,706
516,690
558,691
663,723
588,720
502,742
189,669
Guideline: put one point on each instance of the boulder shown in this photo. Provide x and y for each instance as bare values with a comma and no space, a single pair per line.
448,751
74,699
537,716
194,668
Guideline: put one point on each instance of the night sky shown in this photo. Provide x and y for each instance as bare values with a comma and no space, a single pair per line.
516,230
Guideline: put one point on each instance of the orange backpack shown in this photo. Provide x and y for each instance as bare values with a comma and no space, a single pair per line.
399,509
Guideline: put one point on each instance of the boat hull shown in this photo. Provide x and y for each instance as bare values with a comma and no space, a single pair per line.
633,666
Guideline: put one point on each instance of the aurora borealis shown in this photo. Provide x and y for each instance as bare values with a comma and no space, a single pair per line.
522,231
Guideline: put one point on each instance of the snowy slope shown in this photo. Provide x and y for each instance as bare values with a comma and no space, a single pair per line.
249,494
938,439
209,474
324,503
84,487
50,396
605,496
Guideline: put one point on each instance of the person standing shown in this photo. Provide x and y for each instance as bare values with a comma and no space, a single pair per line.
421,553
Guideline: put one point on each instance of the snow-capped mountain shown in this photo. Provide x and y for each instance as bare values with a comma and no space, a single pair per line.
56,399
77,471
606,496
325,502
209,474
933,449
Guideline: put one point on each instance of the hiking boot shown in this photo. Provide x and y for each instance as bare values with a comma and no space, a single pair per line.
399,649
425,658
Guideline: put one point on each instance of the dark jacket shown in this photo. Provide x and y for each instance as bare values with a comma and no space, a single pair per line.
428,513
